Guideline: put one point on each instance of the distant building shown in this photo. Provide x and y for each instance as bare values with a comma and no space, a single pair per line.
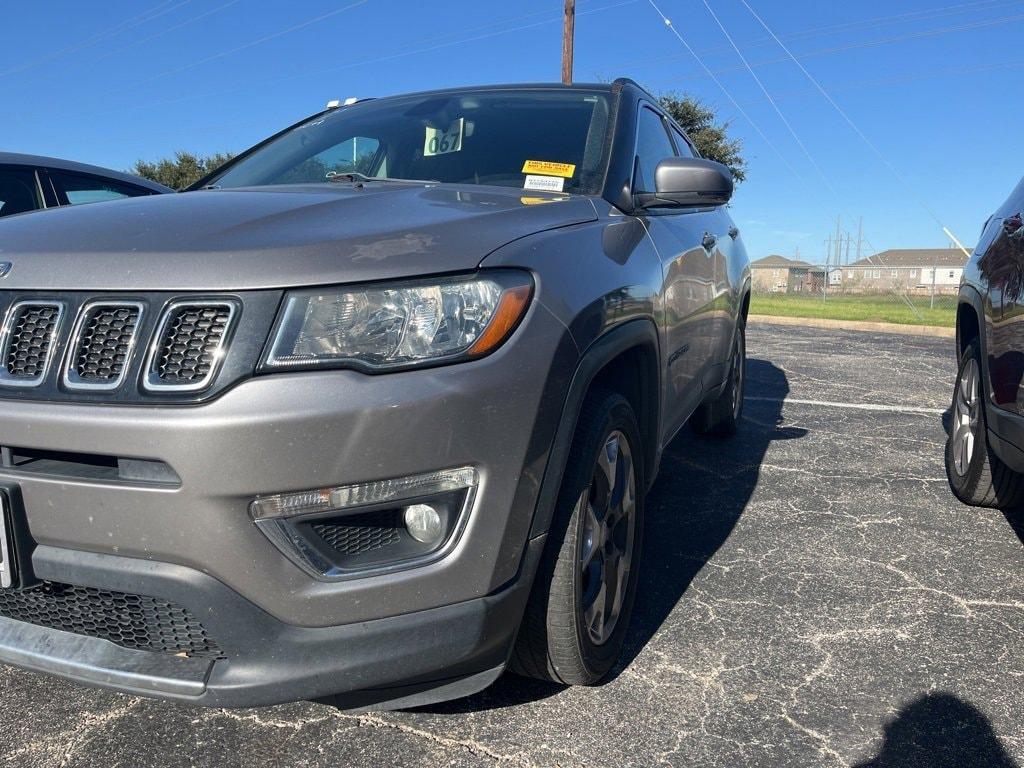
777,274
910,270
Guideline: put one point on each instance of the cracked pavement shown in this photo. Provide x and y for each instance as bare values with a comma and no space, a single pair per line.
812,595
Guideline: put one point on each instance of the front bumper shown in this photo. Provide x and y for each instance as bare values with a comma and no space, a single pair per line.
286,634
406,660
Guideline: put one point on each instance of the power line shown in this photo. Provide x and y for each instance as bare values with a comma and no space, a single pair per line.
778,111
135,21
775,106
251,44
668,23
924,34
190,20
366,61
908,77
847,118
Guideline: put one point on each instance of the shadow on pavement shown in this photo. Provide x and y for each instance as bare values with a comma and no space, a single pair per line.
1016,520
702,489
940,730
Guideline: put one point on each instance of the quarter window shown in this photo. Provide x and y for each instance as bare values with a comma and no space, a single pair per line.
682,145
80,188
652,146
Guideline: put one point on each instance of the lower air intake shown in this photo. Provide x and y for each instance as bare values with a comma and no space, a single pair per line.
131,621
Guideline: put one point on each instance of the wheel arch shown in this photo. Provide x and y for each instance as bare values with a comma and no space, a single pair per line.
626,359
968,323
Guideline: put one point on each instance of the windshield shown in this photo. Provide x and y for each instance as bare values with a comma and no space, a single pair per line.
552,140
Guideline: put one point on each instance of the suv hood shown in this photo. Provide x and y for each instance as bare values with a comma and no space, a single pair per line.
274,237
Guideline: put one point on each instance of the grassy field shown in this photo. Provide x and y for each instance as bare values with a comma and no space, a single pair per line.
883,309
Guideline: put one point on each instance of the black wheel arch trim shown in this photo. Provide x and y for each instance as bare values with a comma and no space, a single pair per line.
641,332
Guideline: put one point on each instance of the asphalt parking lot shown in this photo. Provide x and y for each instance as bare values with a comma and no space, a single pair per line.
812,596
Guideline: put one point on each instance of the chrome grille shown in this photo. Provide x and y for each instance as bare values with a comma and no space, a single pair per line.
102,344
189,345
27,341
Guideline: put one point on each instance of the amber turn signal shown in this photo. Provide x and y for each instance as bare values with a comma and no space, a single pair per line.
511,308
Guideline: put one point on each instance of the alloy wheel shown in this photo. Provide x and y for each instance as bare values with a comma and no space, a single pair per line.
607,508
966,417
737,376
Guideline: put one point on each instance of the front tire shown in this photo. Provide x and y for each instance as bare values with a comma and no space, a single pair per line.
976,475
582,599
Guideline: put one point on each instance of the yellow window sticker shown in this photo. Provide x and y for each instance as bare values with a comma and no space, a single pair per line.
566,170
438,142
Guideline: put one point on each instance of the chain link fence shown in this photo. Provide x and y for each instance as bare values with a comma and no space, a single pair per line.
919,294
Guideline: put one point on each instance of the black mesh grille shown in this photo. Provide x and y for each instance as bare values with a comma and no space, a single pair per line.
104,342
191,338
362,533
131,621
28,345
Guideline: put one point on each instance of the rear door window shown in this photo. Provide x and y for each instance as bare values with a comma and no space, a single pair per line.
19,191
80,188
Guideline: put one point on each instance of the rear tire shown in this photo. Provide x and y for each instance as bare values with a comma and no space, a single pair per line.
976,475
721,417
579,610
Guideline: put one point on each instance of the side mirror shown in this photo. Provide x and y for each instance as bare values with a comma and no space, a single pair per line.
688,182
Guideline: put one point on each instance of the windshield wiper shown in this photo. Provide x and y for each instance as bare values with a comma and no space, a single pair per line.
356,177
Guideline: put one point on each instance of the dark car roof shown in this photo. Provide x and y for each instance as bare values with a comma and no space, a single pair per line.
608,87
40,161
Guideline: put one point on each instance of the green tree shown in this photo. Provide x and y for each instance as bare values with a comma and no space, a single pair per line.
711,138
181,171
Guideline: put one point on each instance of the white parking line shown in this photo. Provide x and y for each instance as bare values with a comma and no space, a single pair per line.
854,406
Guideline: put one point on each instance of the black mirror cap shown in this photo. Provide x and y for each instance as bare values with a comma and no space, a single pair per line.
689,182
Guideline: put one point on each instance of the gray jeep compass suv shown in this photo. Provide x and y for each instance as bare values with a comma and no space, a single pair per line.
370,412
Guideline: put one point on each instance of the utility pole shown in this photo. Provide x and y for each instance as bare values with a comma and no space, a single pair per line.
839,240
824,282
568,30
860,236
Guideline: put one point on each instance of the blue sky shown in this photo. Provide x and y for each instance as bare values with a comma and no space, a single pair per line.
933,84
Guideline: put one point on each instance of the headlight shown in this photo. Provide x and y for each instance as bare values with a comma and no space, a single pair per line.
398,325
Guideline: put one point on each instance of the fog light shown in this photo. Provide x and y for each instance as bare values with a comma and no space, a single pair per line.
347,531
423,523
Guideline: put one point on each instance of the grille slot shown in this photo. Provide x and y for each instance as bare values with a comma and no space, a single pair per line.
358,534
131,621
28,341
189,343
102,345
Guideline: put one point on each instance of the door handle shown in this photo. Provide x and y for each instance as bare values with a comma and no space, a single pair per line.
734,232
709,241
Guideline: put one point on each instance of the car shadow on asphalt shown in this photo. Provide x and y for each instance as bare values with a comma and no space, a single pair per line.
1015,517
1016,520
940,730
703,487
